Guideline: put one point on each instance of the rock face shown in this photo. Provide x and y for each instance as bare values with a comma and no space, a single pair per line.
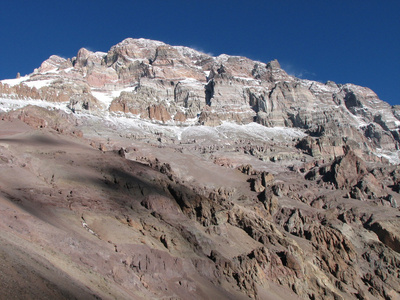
160,172
136,73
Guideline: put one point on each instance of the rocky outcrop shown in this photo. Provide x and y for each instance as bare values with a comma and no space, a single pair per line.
53,63
159,112
347,171
84,102
38,118
388,234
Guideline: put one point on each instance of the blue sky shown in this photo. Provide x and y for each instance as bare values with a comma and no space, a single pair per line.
344,41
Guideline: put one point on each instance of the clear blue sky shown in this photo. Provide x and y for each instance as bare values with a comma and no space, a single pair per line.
350,41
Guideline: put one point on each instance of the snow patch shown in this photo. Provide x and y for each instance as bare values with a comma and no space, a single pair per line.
106,97
392,156
38,83
7,104
189,80
30,83
16,81
259,131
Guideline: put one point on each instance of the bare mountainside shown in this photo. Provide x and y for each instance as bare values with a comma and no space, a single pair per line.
159,172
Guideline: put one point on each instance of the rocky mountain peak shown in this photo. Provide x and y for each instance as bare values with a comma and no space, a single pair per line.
273,64
82,57
54,62
165,56
130,49
136,75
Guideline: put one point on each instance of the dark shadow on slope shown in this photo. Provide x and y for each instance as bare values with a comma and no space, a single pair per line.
37,140
123,181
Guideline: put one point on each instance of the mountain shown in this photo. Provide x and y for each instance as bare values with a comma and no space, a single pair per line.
159,172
